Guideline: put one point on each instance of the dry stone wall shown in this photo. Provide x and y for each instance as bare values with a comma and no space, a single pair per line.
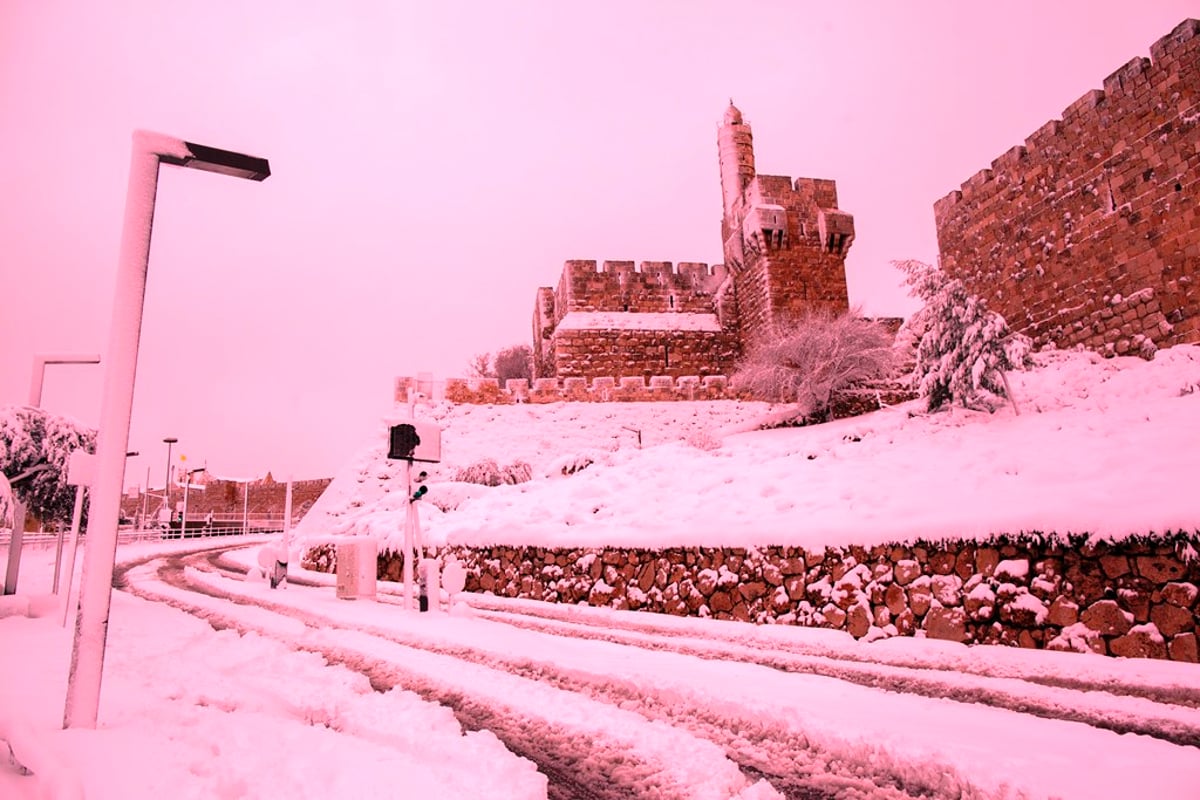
1089,233
1136,598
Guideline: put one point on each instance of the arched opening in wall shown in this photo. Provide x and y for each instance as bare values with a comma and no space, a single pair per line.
671,302
1110,202
666,356
835,242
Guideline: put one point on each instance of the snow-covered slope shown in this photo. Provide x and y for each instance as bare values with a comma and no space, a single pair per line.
1104,446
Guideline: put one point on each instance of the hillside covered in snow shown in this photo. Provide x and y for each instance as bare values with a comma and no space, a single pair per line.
1107,447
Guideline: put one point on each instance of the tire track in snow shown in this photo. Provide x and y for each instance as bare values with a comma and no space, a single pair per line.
1180,695
577,764
795,766
1040,696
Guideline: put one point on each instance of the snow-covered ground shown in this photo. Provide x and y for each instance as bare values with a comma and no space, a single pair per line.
1100,446
276,700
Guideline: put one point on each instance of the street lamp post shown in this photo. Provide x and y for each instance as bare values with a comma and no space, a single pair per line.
170,440
39,372
95,596
36,384
187,484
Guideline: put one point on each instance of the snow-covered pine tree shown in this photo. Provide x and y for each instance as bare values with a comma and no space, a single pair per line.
30,436
964,350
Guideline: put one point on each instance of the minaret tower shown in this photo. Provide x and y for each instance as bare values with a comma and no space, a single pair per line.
735,148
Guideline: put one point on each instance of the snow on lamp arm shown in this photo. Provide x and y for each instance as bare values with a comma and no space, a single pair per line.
95,595
39,371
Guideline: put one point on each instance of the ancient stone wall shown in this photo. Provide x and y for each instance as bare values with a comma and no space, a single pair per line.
1136,598
588,353
597,390
1089,232
648,287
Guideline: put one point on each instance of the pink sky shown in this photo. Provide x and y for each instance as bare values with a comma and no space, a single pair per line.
435,163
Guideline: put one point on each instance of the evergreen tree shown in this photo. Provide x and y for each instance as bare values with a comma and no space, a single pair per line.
964,350
29,437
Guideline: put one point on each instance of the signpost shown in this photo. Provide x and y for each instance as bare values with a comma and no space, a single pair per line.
413,441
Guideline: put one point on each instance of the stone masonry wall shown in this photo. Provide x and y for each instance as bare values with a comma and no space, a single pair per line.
1137,598
648,287
599,390
1089,232
587,353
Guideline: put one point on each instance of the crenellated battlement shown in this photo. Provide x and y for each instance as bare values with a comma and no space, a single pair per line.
645,287
1096,205
1124,94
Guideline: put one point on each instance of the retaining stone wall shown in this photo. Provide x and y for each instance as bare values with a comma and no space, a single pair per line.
1137,598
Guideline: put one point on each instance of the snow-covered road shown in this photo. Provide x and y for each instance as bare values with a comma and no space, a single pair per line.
613,704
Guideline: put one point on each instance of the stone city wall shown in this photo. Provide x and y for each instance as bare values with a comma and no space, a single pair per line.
599,390
1089,233
644,353
648,287
1136,598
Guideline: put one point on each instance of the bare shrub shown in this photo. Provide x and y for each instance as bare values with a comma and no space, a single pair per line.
810,361
704,439
487,472
511,363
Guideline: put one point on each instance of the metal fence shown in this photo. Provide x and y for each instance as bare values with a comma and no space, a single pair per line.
196,528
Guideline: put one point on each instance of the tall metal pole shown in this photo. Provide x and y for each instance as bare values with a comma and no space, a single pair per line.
145,500
187,479
95,591
170,440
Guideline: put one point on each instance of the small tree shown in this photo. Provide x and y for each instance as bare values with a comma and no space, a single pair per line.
514,363
510,363
810,361
963,349
28,437
480,366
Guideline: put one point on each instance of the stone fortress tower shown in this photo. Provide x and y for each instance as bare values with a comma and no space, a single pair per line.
785,247
784,241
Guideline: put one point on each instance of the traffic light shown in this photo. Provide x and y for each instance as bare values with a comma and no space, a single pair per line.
415,441
420,492
404,441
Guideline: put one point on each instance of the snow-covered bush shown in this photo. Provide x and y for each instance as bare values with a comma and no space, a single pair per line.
963,349
487,472
30,436
704,439
810,361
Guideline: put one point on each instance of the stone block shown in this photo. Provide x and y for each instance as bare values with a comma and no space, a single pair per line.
1143,641
858,620
1181,594
1106,617
1114,566
1063,612
906,571
1184,648
946,623
1160,569
1171,620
